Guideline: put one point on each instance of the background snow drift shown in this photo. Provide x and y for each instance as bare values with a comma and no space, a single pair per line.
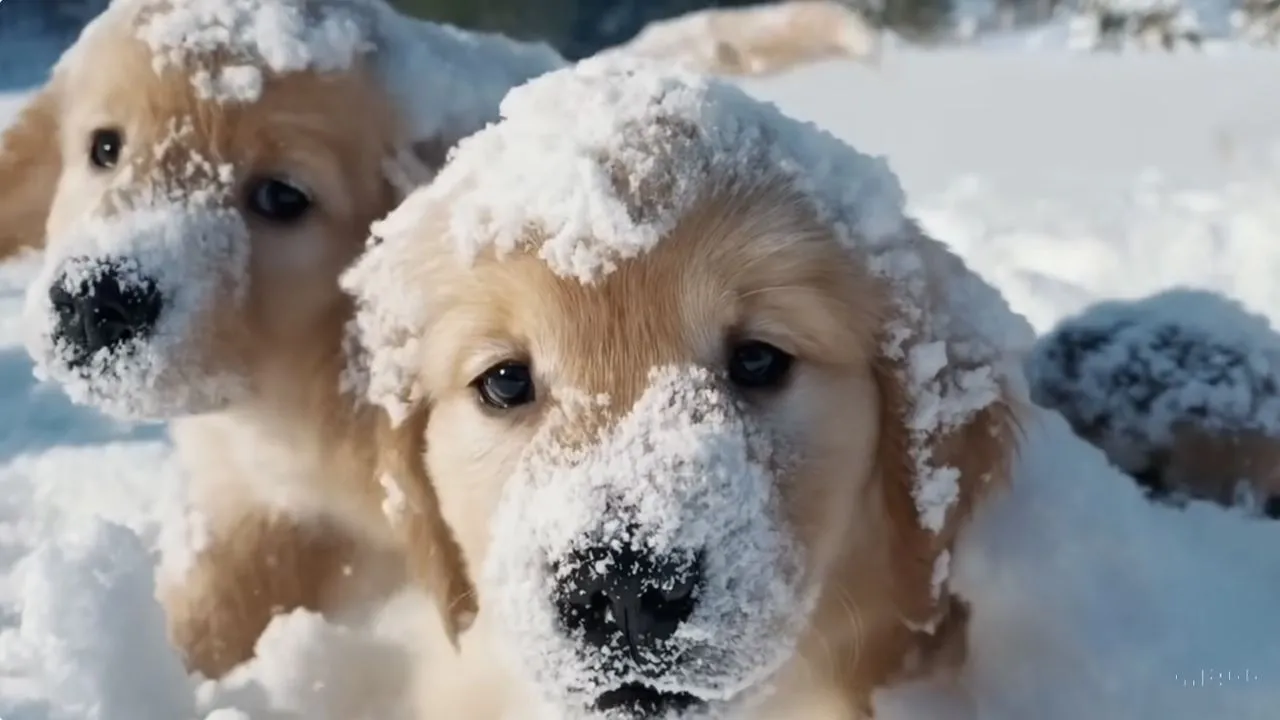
1062,178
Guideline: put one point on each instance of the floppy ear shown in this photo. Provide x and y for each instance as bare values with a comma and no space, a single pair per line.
949,435
30,164
434,557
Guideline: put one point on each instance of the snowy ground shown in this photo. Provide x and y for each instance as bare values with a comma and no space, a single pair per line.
1062,178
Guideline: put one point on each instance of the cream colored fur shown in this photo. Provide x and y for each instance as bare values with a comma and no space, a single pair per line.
743,262
287,482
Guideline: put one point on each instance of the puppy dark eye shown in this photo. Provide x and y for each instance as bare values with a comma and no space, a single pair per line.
277,200
506,385
755,365
104,148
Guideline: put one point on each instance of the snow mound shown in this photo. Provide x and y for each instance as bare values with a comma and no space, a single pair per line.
1127,374
93,646
92,625
1088,601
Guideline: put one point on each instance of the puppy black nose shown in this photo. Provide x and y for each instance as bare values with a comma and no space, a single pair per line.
622,594
100,311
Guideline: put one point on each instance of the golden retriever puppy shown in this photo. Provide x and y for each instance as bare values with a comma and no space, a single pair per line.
704,411
1181,390
758,39
203,170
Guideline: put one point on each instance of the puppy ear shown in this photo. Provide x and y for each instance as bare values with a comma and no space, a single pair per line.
30,164
435,109
434,556
949,434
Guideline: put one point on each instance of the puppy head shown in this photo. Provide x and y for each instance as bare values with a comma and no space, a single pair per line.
682,394
202,172
1158,381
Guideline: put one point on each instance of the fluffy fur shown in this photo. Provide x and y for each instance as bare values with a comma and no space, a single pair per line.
282,471
749,260
1180,389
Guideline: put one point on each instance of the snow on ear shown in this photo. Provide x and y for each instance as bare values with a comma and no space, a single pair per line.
30,164
949,420
413,509
383,340
447,82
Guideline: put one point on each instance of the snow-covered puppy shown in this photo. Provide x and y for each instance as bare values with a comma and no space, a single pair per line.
203,170
703,409
1180,389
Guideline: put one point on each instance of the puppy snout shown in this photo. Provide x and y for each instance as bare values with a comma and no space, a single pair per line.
101,310
620,595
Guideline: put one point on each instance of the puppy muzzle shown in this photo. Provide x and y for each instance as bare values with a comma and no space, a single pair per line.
124,310
650,574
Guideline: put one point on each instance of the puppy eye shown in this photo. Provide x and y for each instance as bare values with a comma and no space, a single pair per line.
756,365
506,385
277,200
104,148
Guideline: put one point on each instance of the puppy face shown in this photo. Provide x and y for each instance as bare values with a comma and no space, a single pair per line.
692,423
680,431
193,238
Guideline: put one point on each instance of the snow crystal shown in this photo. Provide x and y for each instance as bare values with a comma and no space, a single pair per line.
1088,601
683,471
195,258
594,164
1127,373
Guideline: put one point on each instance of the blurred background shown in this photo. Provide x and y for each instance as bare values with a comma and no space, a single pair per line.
33,32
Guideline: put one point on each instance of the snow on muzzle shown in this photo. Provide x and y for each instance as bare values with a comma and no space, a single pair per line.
649,573
131,314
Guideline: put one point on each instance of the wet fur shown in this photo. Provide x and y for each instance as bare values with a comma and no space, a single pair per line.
744,258
287,483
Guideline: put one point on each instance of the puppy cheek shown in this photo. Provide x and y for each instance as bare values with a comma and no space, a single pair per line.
835,428
469,458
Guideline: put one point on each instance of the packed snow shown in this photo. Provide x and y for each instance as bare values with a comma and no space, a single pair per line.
1064,180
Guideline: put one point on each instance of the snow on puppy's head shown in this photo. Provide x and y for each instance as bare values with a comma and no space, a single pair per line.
693,388
201,181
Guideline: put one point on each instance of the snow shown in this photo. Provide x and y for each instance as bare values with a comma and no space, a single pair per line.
1063,179
420,61
195,256
685,469
1127,374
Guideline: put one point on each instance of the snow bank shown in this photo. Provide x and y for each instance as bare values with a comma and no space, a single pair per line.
91,644
1090,602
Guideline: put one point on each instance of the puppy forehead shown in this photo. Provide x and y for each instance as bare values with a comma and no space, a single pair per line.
751,266
305,115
